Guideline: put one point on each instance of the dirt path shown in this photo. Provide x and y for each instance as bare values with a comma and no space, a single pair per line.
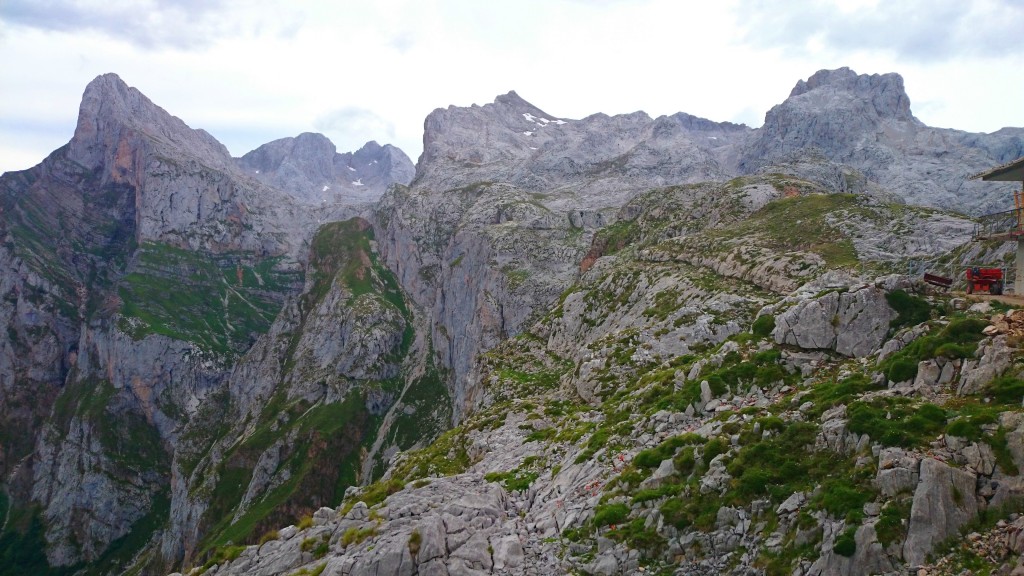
1011,299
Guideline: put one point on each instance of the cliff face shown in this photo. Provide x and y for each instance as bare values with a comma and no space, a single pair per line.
140,264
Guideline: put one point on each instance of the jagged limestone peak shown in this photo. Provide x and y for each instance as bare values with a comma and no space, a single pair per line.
110,107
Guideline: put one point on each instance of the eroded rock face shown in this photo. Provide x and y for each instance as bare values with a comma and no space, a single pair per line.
597,162
481,261
495,227
943,502
853,323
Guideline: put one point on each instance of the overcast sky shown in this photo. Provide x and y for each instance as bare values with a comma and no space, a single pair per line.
255,70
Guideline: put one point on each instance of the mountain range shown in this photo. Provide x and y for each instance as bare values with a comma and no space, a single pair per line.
485,360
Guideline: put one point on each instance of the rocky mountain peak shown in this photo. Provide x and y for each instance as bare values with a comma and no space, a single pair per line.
310,168
884,91
110,107
516,104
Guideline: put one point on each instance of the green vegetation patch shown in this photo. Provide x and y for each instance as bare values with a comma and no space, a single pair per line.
910,310
323,463
958,339
896,421
793,224
221,302
515,480
429,411
763,326
615,237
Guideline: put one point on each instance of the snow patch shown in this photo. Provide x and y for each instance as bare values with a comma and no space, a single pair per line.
541,122
257,171
533,147
326,188
712,137
527,133
374,162
357,182
351,168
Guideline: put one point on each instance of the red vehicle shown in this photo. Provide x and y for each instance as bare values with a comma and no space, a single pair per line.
984,279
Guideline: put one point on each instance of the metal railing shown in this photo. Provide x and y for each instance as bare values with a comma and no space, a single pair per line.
1000,224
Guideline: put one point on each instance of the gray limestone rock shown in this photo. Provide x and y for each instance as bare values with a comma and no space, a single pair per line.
852,323
864,122
994,358
943,502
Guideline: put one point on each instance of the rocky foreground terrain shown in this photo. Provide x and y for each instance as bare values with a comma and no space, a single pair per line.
707,418
607,345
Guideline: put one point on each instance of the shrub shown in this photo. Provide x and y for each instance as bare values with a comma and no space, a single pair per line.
267,537
514,480
831,394
713,448
356,535
846,544
685,462
890,527
1006,390
959,339
305,522
842,499
649,494
652,457
675,513
763,326
415,539
700,513
910,310
638,536
901,370
896,423
610,514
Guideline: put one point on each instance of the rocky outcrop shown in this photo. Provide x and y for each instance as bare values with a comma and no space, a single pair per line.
993,359
457,525
853,323
206,366
943,502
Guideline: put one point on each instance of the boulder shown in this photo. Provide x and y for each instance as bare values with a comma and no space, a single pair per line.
851,323
994,358
943,502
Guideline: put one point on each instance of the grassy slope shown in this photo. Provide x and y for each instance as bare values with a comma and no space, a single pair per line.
221,302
